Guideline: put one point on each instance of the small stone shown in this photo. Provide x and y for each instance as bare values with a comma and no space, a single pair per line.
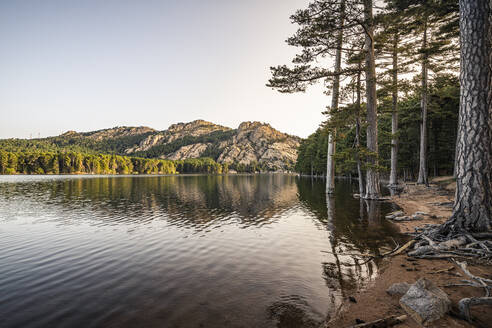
399,288
394,215
352,299
402,218
359,321
425,302
417,217
421,213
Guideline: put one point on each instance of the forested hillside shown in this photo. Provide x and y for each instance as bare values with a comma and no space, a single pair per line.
252,147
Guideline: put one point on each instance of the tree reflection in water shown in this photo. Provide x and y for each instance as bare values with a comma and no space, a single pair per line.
355,226
214,250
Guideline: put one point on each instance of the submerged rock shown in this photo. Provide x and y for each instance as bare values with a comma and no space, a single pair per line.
425,302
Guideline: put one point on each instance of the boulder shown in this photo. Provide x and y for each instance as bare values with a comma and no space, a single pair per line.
399,288
425,302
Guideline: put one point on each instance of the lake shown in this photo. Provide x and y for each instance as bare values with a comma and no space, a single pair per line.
183,251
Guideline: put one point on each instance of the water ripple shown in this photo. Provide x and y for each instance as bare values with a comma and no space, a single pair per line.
167,251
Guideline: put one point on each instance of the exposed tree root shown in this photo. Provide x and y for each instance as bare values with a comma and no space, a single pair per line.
465,303
431,243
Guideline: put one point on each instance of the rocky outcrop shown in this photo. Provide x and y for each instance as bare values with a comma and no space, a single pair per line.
251,143
117,132
146,144
190,151
259,142
192,129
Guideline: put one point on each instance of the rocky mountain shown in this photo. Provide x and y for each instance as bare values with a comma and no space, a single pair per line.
252,143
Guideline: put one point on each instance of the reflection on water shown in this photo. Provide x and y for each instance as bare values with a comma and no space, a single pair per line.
182,251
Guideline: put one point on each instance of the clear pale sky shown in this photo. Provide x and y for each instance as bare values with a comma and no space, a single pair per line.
86,65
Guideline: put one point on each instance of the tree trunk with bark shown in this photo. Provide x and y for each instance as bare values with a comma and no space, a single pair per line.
330,163
472,211
372,174
394,116
357,133
422,179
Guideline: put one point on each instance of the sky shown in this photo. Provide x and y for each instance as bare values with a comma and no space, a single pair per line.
87,65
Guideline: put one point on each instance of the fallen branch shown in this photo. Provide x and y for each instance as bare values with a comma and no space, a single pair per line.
404,247
382,323
442,271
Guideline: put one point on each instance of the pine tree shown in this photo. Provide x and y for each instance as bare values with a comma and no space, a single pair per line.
321,25
472,211
435,29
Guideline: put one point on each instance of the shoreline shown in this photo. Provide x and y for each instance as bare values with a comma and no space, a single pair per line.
374,303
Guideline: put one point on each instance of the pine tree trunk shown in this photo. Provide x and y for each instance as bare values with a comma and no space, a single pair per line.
372,175
422,179
357,134
394,116
472,209
330,163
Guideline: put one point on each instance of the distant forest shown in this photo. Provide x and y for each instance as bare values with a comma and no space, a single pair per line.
32,162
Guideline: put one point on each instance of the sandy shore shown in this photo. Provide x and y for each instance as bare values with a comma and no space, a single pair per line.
374,303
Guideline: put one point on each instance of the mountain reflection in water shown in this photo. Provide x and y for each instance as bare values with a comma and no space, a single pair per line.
182,251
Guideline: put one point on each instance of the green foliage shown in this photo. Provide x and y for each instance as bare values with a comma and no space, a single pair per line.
80,163
442,119
76,143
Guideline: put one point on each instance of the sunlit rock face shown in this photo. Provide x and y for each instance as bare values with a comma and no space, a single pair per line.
192,129
147,143
251,143
258,142
189,151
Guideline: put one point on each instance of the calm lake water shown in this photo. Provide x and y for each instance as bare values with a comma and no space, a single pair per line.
182,251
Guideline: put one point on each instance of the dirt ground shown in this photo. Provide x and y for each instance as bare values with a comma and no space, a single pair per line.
374,303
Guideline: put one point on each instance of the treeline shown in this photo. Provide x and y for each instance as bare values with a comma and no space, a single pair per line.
81,163
78,143
390,69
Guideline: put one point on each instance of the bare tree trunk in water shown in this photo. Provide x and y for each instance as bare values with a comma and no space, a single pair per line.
394,116
472,209
330,163
372,174
422,179
357,134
